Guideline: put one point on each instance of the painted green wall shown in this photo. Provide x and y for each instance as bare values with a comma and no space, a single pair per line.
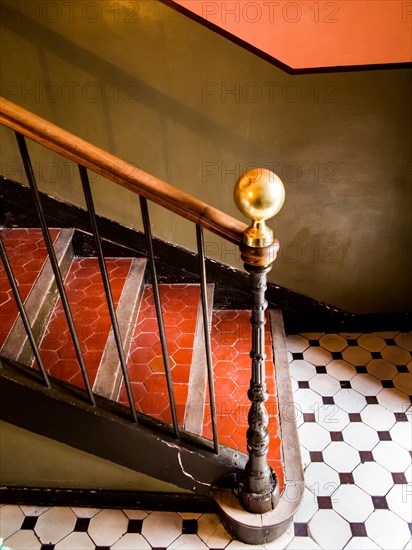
158,89
31,460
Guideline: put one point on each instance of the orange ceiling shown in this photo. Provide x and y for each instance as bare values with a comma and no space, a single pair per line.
309,34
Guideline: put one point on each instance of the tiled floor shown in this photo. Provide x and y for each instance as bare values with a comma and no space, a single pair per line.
354,415
27,253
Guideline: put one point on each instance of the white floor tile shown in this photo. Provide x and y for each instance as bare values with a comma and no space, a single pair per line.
306,400
313,437
303,543
329,530
403,382
361,543
85,512
404,340
136,514
332,418
333,342
393,400
324,385
321,479
352,503
341,456
11,518
312,335
188,542
162,528
307,508
188,515
131,541
212,532
296,343
317,356
107,527
366,384
386,333
341,370
373,478
371,342
378,417
396,355
401,433
55,524
80,541
387,529
392,456
360,436
399,499
350,400
381,369
34,510
356,355
301,370
23,540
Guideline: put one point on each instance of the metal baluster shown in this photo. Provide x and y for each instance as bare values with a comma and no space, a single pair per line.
53,260
206,321
159,314
22,310
107,289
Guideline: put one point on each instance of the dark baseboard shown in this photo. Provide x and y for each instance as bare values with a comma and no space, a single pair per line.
103,498
179,265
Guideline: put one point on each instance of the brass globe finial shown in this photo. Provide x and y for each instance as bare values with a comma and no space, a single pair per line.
259,195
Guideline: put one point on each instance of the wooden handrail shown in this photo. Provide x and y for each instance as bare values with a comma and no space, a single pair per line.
119,171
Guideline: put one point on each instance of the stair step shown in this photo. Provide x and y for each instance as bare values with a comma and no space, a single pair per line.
180,303
39,303
85,292
27,253
109,375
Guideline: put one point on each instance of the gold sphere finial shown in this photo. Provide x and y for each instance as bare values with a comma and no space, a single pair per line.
259,195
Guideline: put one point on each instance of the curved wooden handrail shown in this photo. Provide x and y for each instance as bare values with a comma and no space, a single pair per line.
119,171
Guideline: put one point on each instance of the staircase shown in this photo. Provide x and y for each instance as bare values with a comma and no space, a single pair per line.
135,308
142,369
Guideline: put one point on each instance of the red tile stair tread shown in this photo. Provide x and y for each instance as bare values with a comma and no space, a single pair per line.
91,316
27,254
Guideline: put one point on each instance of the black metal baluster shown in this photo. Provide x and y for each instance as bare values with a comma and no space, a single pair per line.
22,310
107,289
53,260
203,286
156,295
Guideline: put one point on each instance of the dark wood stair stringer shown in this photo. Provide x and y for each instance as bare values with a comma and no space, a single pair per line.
109,375
40,303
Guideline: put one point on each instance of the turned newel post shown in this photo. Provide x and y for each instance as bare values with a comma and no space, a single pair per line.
259,194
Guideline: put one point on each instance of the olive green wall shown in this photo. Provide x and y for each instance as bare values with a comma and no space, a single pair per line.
189,106
31,460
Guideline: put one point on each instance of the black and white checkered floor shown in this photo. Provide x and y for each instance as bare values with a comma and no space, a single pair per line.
352,400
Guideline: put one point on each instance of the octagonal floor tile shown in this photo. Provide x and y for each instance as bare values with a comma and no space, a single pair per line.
55,524
378,417
360,436
392,456
329,529
333,342
352,503
341,456
373,478
371,342
387,529
321,479
162,528
106,527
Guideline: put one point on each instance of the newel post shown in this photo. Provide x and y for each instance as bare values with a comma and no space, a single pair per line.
259,194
